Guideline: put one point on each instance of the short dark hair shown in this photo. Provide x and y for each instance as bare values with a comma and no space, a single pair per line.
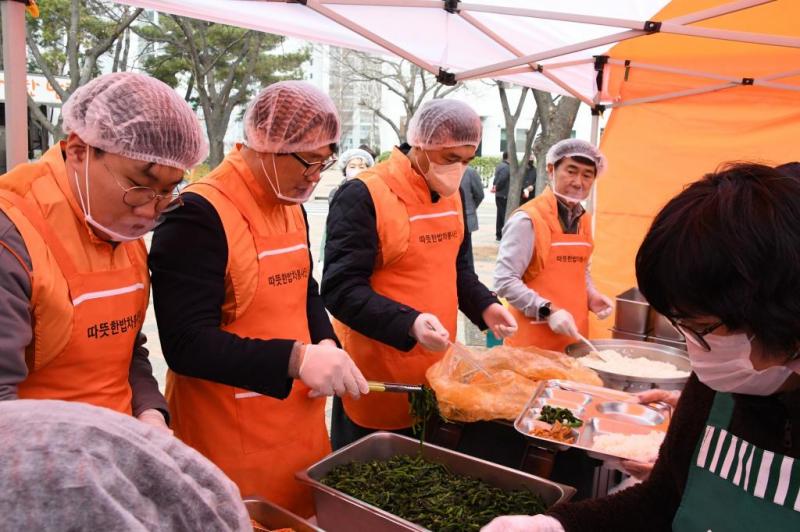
789,169
729,246
505,155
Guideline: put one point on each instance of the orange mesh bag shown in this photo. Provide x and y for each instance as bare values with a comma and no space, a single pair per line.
480,385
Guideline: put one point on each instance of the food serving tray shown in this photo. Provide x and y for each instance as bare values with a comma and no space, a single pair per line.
602,410
339,512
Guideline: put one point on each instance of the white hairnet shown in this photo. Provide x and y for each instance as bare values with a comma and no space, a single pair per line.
73,466
579,148
444,124
291,116
356,153
136,116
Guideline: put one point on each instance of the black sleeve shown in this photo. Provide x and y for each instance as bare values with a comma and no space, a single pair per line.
350,253
473,296
188,260
144,387
319,326
652,504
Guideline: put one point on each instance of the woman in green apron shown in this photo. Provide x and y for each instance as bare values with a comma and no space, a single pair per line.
722,260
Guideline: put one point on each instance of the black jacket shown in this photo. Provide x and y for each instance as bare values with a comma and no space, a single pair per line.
350,253
188,259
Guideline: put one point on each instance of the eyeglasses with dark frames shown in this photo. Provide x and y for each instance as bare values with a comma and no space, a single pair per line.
698,335
315,167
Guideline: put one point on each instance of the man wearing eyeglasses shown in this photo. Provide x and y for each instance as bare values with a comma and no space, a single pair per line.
74,284
250,347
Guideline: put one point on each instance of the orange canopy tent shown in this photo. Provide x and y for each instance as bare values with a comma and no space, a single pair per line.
742,110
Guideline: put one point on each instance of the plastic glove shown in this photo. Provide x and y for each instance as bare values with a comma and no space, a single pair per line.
499,320
601,305
154,418
328,370
562,322
524,523
430,333
655,395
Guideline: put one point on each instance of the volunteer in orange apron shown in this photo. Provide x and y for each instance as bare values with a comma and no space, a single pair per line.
720,260
543,261
250,347
397,265
73,267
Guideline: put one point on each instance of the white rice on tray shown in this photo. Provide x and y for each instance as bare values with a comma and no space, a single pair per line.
632,367
638,447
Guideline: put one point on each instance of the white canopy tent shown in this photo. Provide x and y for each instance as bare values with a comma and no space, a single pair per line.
553,46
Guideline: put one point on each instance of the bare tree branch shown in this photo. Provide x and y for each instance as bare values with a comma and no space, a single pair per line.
42,64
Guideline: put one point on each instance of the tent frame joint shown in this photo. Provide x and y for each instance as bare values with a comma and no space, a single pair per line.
598,109
451,6
446,78
748,81
652,26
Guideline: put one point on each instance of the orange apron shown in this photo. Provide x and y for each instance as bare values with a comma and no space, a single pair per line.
561,278
260,442
424,278
109,307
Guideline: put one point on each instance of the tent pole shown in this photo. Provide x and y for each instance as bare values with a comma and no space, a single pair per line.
729,35
553,15
673,95
514,50
713,12
672,70
566,87
387,3
317,5
14,61
547,54
595,140
565,64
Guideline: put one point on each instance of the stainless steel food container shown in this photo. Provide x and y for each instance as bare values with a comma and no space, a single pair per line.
337,511
621,335
677,344
634,349
273,516
632,312
663,329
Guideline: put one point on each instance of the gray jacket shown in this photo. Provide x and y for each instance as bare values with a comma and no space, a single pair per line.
472,186
16,328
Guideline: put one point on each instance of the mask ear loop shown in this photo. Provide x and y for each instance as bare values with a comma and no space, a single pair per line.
84,206
276,186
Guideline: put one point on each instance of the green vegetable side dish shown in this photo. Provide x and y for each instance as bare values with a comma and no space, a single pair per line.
551,414
427,494
422,406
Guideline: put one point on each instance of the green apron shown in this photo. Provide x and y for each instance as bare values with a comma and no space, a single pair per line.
734,485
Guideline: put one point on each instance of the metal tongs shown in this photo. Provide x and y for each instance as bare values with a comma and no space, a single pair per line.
393,387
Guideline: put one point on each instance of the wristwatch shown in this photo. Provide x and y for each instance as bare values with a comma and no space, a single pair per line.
544,311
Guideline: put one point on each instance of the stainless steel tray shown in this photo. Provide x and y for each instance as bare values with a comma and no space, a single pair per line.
602,410
635,349
337,511
273,516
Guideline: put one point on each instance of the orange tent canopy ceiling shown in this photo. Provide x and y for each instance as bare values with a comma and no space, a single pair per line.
655,149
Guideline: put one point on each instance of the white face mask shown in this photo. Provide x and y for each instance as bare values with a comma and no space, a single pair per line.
444,178
351,173
569,199
86,207
727,367
276,186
